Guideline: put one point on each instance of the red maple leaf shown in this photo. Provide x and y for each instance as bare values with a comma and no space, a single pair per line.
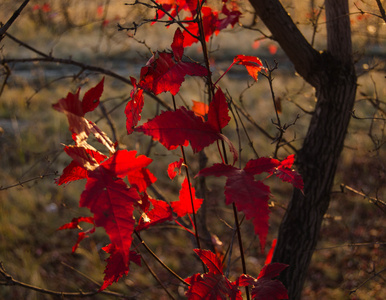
112,203
211,285
249,196
165,72
134,108
75,110
175,165
265,287
160,213
72,105
184,205
179,127
252,63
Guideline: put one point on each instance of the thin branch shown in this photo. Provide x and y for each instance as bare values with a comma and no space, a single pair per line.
21,183
3,29
367,280
69,61
379,203
10,281
159,260
381,9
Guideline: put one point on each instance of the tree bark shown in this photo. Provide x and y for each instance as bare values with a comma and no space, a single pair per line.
332,74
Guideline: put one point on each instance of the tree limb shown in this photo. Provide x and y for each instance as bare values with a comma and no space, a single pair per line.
291,40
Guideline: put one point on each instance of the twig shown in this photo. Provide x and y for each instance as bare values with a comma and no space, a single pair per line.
381,9
367,280
159,260
3,29
10,281
109,121
20,183
379,203
155,275
69,61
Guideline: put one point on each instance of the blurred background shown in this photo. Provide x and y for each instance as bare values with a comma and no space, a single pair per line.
54,47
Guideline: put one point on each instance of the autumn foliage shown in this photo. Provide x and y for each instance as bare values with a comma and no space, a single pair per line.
117,180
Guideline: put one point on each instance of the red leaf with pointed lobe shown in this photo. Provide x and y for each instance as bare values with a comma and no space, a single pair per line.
160,213
71,173
166,72
211,285
175,165
177,45
72,105
179,127
125,164
91,97
250,196
268,259
133,111
211,260
74,109
252,63
218,114
184,205
117,264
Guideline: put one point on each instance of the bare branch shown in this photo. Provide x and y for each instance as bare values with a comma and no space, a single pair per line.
3,29
10,281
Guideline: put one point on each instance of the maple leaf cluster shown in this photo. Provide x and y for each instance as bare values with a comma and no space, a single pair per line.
116,184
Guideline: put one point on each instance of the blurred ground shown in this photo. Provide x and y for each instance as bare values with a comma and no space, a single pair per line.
353,239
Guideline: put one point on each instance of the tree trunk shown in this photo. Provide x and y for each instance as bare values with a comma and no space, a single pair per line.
333,76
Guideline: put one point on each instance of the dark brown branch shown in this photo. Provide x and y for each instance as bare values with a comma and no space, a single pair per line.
3,29
69,61
381,9
291,40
